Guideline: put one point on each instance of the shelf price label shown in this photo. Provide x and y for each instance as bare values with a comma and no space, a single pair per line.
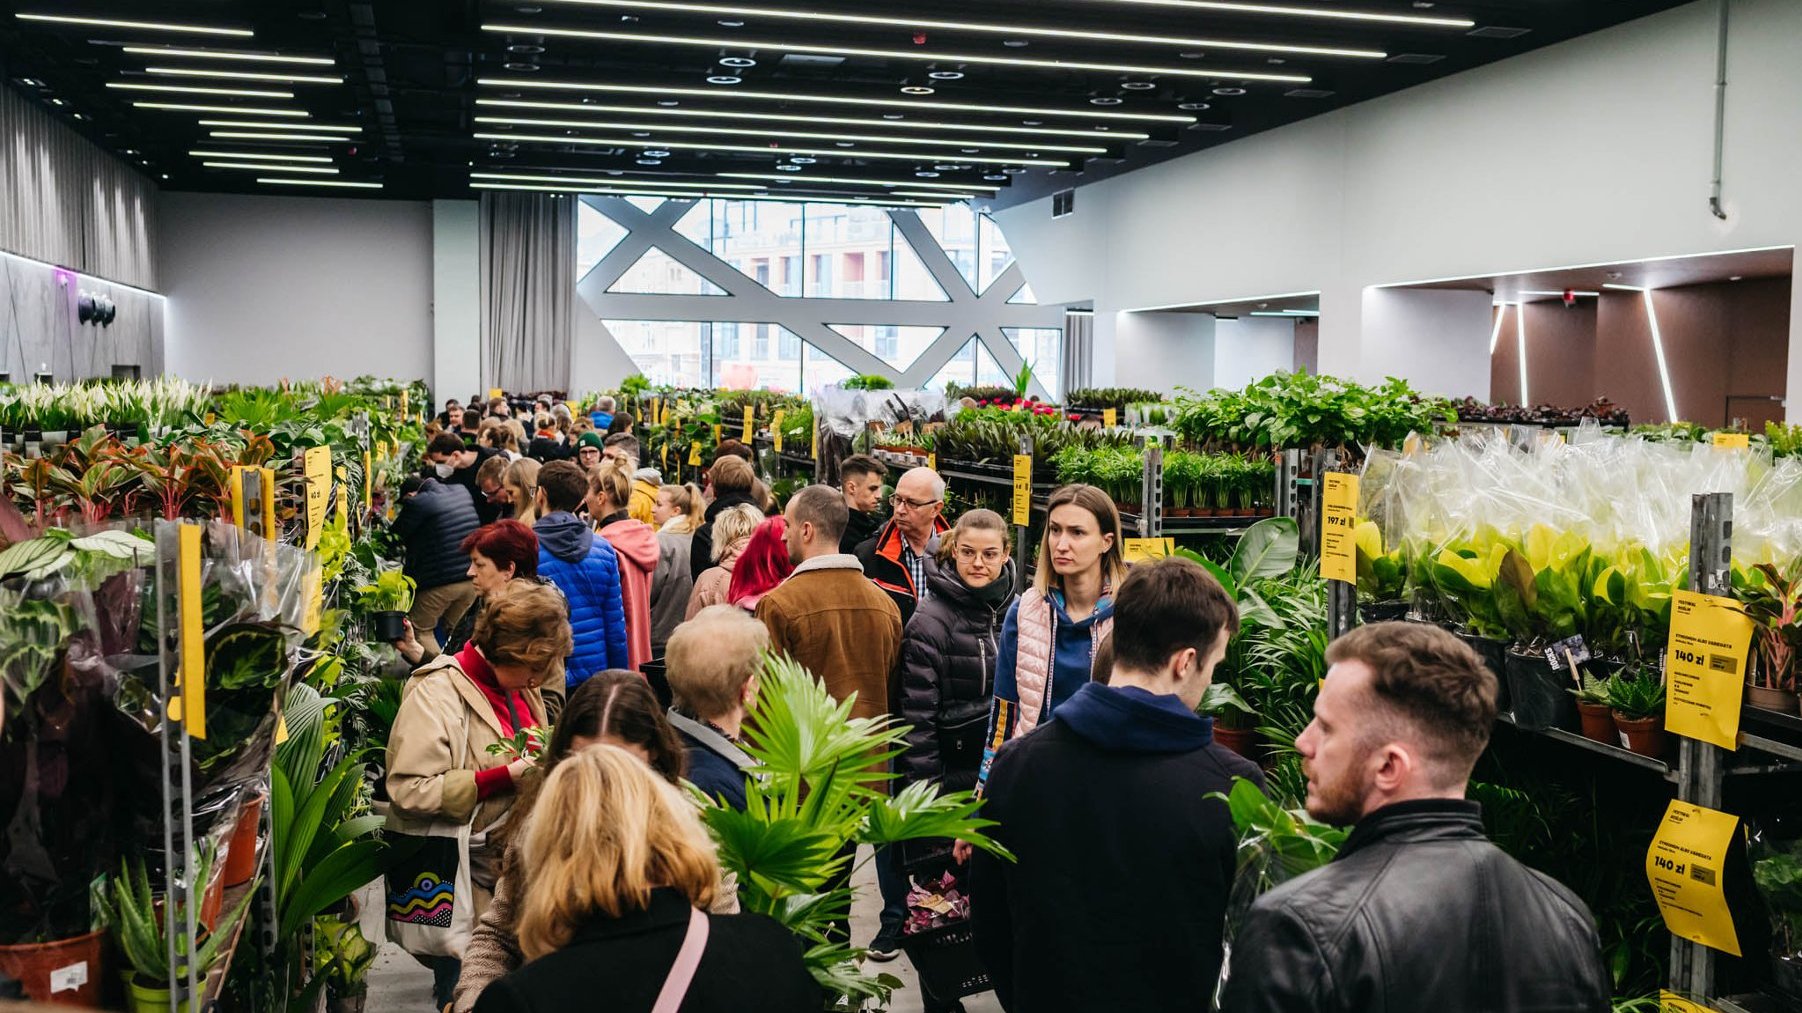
1110,417
1338,522
694,454
317,465
816,440
1705,667
1138,550
1684,865
1671,1002
192,701
750,425
776,430
368,483
1022,489
1732,441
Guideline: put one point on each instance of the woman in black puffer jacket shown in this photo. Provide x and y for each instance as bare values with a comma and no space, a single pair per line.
948,654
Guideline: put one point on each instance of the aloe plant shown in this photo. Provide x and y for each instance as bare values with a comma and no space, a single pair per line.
1637,694
1594,690
139,923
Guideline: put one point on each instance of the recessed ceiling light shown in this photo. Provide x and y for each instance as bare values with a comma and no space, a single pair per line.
844,144
238,155
1013,170
128,151
916,89
1104,100
1195,107
1425,5
668,103
655,153
229,54
1137,85
802,160
79,116
1193,54
650,161
894,54
1737,277
731,23
946,75
184,107
56,102
698,128
195,90
891,116
641,133
926,174
271,167
1015,33
521,67
31,82
995,176
165,175
1229,91
788,168
1015,43
529,9
319,182
737,62
950,167
243,75
1302,12
1276,61
724,79
147,26
525,49
1032,123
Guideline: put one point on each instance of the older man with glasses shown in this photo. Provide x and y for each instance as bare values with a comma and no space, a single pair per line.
898,558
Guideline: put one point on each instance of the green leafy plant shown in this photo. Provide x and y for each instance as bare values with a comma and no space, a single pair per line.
526,744
32,634
1219,699
135,916
1276,844
1381,575
1778,875
392,591
1595,691
869,381
1773,600
342,956
1637,694
819,786
1023,379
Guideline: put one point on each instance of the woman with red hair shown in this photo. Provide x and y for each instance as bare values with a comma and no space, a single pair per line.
764,564
499,552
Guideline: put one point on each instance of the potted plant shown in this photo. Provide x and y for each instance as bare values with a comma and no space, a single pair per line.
1774,602
136,920
1777,871
1381,576
343,956
1182,469
388,600
1637,700
1594,711
1234,721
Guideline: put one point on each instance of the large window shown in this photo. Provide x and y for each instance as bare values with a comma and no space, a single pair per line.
732,354
971,365
1043,350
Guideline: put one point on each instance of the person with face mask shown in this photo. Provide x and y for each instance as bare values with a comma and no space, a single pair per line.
455,464
1418,911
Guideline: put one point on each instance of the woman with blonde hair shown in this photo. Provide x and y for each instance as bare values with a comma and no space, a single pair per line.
677,513
612,905
440,769
634,542
732,529
732,481
521,483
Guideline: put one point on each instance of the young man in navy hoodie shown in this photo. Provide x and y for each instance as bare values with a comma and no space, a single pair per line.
1118,898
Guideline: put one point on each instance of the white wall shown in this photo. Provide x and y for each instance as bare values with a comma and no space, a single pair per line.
1162,351
262,288
456,299
1250,348
1594,150
1438,338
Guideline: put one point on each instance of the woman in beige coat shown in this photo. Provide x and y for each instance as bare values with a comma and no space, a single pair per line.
453,709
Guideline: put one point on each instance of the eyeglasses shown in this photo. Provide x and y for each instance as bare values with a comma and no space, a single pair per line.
898,501
969,554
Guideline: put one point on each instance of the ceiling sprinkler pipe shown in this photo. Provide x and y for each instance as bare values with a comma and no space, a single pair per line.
1720,112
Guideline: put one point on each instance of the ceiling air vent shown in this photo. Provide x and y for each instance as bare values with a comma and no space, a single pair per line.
1419,58
1307,93
1063,203
1497,32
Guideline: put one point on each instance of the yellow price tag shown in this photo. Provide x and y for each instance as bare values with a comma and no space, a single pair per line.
493,392
666,453
694,454
1022,489
403,402
313,598
816,439
368,483
189,609
211,417
932,461
343,492
776,430
1137,550
1685,865
1338,521
1705,666
281,729
750,425
1732,441
1671,1002
1110,417
317,465
717,429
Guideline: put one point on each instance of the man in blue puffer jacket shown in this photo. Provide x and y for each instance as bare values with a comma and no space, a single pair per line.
584,568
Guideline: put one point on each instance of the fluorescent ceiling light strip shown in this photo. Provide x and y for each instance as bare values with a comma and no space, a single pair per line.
697,196
1520,334
1284,314
230,54
1099,135
896,54
280,126
237,75
188,89
148,26
243,135
1624,288
273,167
909,21
1664,371
894,103
1303,12
798,177
937,194
318,182
1501,314
1580,267
596,181
259,154
1560,295
183,107
698,128
639,143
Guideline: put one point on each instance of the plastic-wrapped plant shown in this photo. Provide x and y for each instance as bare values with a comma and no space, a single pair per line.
1381,575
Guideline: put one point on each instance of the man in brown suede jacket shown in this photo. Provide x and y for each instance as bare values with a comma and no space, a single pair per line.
827,615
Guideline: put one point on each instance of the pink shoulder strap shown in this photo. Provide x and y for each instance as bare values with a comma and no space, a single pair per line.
682,973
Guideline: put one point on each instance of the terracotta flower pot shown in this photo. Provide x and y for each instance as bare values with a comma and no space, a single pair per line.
1645,736
1598,723
1243,741
1771,699
39,967
241,851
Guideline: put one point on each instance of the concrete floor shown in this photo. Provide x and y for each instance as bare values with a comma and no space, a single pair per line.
400,984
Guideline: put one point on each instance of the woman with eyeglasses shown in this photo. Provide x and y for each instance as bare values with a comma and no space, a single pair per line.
948,653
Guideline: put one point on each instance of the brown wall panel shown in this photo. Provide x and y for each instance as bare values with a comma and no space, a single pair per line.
1504,362
1626,371
1561,352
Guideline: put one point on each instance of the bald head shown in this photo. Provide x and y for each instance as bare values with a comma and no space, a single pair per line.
919,496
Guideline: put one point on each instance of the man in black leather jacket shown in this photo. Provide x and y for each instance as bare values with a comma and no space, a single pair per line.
1419,911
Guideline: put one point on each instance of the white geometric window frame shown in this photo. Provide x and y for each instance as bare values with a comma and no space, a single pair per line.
963,314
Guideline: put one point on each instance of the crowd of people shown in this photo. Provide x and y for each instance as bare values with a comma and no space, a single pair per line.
561,585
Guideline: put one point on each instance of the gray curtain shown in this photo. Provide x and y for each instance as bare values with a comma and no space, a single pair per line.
528,290
1079,351
66,202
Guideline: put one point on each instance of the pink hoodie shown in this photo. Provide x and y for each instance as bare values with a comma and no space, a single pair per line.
635,543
